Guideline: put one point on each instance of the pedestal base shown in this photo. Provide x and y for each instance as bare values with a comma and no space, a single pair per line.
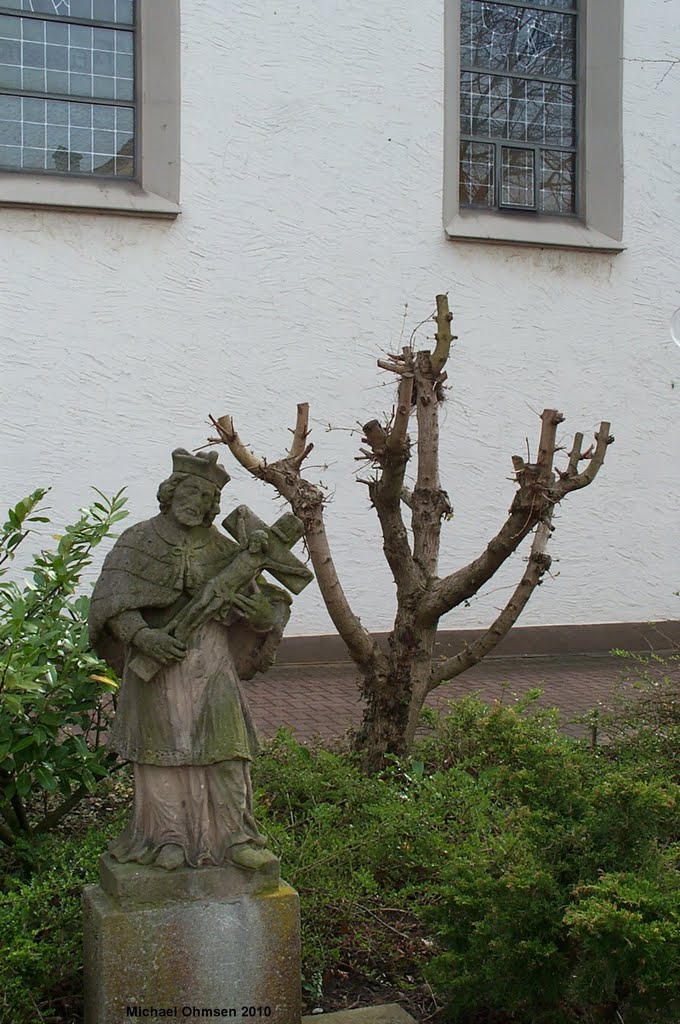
210,954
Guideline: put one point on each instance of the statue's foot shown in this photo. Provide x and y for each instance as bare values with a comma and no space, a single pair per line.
170,857
251,857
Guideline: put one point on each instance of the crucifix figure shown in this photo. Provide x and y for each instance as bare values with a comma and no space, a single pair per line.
184,614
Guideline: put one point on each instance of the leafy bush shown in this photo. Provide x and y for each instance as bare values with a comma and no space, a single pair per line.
41,926
646,713
52,712
530,878
364,854
568,908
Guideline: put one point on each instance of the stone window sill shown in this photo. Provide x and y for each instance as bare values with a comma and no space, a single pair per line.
83,195
523,229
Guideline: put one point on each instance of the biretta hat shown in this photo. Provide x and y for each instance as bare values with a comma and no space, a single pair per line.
204,464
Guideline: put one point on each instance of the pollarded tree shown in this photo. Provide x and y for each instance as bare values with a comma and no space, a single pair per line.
396,681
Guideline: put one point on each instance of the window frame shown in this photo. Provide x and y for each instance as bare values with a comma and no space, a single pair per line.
155,189
598,223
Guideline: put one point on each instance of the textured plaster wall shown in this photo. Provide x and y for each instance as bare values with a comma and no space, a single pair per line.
311,191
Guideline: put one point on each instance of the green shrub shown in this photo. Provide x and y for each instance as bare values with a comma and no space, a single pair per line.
364,854
626,927
532,879
52,715
41,927
569,907
643,727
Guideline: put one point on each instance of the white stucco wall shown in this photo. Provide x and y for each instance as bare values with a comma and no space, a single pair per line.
311,191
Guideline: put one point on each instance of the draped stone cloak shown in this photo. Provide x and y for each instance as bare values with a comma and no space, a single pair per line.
192,712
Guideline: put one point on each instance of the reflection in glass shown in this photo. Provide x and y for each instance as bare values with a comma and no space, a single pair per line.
518,39
43,59
557,190
476,174
517,108
75,138
114,11
518,85
517,177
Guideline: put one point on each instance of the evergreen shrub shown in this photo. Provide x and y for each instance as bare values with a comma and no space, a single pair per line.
531,879
568,908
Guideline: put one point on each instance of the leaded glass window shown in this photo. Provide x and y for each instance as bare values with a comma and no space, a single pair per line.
518,84
67,87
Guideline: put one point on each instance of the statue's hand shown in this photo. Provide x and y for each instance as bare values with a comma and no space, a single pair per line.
159,645
256,609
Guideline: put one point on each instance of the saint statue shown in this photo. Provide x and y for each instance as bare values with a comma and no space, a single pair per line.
184,614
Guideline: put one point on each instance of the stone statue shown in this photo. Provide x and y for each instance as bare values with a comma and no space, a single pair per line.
183,614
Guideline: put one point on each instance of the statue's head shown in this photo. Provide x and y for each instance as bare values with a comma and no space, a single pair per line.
258,542
192,492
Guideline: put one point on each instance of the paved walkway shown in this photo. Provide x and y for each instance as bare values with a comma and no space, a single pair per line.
322,701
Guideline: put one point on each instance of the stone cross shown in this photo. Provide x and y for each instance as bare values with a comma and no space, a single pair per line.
263,548
242,523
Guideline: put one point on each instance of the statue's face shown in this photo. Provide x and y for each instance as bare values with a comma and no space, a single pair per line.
191,501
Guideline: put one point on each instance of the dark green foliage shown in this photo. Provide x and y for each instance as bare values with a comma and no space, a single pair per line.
570,905
530,878
52,712
646,716
41,926
363,852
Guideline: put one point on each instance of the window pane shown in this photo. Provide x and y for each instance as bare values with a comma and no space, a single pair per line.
520,109
75,59
517,178
565,5
76,138
498,37
476,174
557,188
117,11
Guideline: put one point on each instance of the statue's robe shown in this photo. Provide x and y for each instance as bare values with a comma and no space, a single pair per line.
188,730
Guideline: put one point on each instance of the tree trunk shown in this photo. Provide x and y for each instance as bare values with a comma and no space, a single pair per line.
395,684
396,693
421,674
383,729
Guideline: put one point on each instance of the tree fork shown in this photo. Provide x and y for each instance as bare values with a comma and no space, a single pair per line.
396,684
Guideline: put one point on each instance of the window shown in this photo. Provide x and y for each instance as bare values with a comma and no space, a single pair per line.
533,122
518,106
89,104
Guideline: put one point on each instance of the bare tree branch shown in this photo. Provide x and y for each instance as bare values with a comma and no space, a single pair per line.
575,481
538,493
376,437
538,565
397,438
299,449
575,454
550,420
532,503
386,490
443,337
430,503
392,367
228,436
307,502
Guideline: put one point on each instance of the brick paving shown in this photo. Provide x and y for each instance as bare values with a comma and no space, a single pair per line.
322,701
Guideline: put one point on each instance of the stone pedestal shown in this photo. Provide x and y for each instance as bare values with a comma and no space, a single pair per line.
192,944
